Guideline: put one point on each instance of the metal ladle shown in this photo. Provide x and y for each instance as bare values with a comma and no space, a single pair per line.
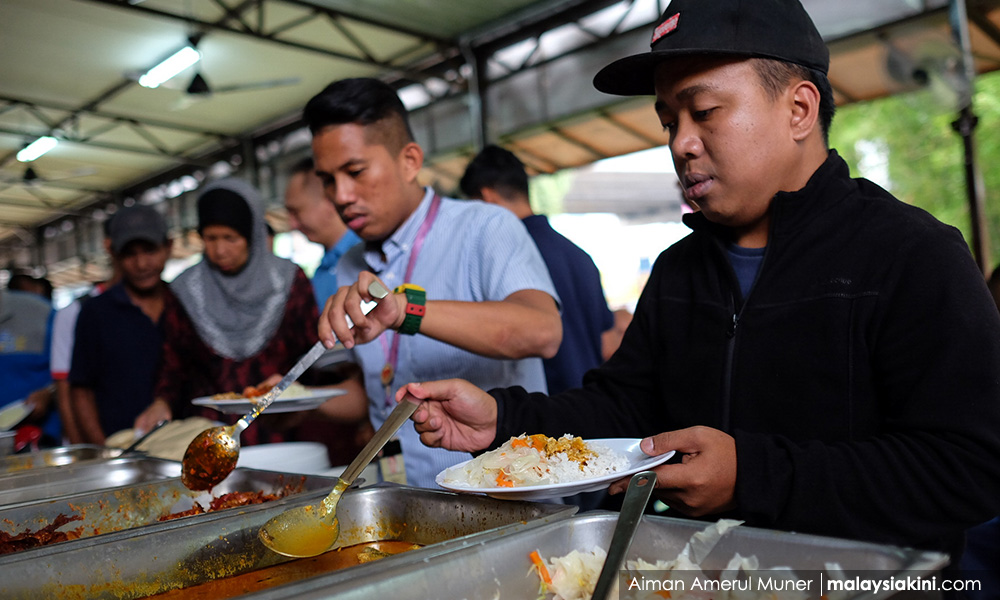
212,454
312,530
640,487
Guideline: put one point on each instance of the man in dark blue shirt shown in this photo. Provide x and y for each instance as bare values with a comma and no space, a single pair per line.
498,177
119,334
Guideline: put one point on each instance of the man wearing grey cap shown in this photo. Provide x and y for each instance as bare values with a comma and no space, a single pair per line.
119,333
823,357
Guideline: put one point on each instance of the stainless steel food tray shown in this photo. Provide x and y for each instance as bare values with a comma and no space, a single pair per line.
499,568
107,511
177,554
54,457
86,476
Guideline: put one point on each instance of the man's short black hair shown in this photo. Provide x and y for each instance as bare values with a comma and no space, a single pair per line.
362,101
303,165
495,168
775,75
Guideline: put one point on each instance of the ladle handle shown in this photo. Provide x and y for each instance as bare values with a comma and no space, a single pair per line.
375,289
267,399
640,487
395,420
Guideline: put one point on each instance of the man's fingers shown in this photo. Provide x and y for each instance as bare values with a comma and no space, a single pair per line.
684,441
619,486
335,318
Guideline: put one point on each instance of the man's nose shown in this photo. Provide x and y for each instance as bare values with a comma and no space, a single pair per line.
344,194
687,140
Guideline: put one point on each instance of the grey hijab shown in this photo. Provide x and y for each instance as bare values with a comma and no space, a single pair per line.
236,315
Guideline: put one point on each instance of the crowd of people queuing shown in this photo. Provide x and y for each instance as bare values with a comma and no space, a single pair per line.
824,357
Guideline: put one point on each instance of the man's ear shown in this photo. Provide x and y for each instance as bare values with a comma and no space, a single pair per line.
411,160
804,101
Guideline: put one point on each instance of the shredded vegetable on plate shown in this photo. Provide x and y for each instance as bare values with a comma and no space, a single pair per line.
574,576
528,460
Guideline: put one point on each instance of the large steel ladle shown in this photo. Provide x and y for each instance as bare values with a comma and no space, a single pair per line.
312,530
212,454
636,496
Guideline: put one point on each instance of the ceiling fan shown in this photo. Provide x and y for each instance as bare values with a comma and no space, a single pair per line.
934,67
31,177
198,87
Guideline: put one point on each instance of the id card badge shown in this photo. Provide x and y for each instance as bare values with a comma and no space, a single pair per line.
390,462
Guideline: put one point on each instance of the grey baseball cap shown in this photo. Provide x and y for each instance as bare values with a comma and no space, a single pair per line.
138,222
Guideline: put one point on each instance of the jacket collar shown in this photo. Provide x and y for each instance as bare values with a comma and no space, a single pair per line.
790,211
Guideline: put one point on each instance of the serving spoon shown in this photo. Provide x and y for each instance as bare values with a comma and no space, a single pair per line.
640,487
312,530
212,454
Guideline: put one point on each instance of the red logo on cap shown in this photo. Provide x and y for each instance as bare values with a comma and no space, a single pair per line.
665,28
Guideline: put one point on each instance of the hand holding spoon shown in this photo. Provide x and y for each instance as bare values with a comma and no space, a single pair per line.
312,530
212,454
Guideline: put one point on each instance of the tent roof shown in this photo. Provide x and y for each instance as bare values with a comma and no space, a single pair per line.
69,70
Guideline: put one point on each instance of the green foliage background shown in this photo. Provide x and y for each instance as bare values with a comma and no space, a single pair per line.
925,154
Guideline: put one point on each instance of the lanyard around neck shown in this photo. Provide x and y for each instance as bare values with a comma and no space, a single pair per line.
392,351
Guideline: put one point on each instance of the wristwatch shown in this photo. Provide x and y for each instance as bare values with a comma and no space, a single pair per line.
416,297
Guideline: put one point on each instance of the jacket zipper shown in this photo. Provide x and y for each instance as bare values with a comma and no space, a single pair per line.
727,381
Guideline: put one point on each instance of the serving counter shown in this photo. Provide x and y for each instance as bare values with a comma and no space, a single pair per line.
124,551
456,545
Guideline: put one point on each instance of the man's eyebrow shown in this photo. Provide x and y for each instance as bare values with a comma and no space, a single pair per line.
684,94
693,90
350,162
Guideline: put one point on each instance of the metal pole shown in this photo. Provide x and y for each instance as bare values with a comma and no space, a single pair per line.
965,125
476,95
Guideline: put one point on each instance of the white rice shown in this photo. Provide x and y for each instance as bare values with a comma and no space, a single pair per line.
607,461
482,471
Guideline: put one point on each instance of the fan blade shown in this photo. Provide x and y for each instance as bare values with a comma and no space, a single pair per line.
80,172
188,100
256,85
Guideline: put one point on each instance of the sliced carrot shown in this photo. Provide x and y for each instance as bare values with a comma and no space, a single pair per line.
518,443
540,565
538,441
503,480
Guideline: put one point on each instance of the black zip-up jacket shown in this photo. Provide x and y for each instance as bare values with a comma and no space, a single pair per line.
860,377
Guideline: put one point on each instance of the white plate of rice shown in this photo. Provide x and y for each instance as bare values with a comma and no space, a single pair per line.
296,398
612,459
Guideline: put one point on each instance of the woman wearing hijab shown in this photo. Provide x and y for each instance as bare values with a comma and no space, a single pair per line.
240,316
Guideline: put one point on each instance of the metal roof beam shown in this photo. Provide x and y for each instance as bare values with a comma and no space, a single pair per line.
14,102
405,70
62,137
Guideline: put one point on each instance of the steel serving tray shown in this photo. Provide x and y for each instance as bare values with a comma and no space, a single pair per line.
53,482
144,561
54,457
107,511
499,568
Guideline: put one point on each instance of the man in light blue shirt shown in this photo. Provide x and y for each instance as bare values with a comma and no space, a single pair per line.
479,303
314,215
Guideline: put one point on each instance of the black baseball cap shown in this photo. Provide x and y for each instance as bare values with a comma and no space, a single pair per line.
137,222
778,29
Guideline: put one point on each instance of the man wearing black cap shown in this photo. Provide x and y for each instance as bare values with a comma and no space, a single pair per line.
823,357
119,333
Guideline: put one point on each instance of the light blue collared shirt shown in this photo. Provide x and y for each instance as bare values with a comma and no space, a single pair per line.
324,280
474,252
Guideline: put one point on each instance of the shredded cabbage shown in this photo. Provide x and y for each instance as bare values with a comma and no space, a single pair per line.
536,460
574,575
